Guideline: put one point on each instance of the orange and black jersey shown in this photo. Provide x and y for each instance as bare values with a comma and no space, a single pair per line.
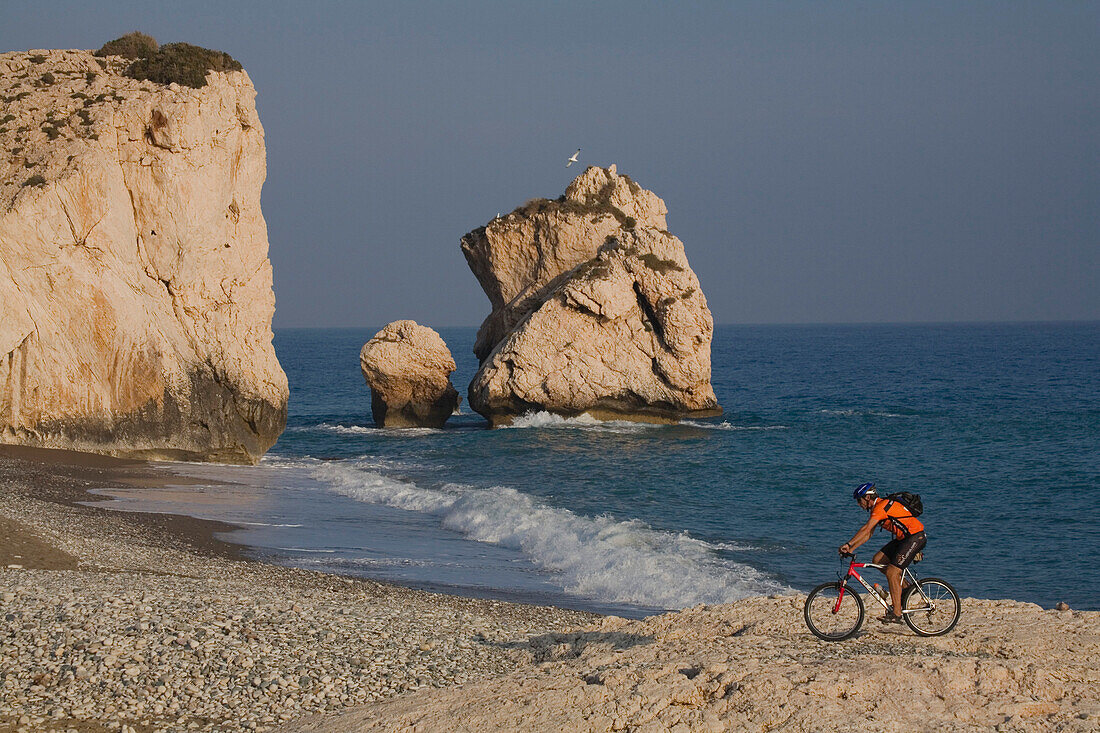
895,518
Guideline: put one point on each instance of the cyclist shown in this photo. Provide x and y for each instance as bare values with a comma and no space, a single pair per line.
895,555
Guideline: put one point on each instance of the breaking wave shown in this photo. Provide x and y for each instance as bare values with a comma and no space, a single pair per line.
595,557
581,422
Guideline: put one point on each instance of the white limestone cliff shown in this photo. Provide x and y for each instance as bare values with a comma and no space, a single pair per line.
135,288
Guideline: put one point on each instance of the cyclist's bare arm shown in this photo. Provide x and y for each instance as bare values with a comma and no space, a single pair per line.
861,536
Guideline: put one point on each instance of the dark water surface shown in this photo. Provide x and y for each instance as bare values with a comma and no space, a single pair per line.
996,426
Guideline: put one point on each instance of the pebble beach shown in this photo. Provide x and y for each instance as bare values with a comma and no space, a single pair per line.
125,621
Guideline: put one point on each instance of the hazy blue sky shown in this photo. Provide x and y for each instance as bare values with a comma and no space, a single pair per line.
821,161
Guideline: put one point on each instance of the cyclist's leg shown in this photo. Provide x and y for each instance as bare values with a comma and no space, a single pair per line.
893,575
881,558
906,549
886,555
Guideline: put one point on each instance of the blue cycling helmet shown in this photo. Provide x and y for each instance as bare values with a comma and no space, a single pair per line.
864,490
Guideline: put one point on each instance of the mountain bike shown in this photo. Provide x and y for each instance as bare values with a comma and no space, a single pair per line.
835,611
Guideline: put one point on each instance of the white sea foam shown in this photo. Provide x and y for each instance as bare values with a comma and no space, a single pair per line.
861,413
539,419
596,557
587,422
734,546
581,422
366,562
265,524
359,430
728,426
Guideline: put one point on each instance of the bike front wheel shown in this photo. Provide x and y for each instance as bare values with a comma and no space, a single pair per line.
834,612
931,607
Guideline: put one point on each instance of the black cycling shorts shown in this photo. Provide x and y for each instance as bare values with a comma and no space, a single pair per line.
900,553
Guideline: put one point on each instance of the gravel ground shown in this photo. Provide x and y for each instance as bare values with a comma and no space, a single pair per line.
153,632
753,666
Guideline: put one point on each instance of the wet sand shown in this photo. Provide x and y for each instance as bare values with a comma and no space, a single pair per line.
66,477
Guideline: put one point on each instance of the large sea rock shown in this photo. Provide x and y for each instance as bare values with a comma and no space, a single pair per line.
408,368
516,257
135,288
595,309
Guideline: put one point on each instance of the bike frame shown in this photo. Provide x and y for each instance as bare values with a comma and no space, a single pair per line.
906,574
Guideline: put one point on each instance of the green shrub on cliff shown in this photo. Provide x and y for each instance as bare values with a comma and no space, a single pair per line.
182,63
132,46
657,264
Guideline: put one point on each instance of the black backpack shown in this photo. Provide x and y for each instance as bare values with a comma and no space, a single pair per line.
908,500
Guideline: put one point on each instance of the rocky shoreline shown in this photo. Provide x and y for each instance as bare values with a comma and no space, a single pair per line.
753,666
140,622
112,621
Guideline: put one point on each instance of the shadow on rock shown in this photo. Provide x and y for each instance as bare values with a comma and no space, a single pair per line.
558,647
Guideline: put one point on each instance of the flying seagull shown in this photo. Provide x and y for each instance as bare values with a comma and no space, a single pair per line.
574,158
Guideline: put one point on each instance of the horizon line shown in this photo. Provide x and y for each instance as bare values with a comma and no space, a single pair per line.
794,324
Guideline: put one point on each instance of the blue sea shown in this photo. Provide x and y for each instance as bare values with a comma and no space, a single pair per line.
996,426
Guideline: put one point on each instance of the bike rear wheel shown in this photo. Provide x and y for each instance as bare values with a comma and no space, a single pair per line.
834,612
936,611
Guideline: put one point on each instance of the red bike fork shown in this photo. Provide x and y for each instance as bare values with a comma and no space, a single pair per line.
839,599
